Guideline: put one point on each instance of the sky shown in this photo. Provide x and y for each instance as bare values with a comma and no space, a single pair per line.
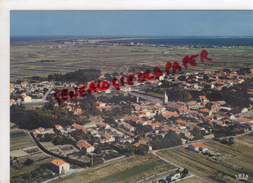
131,23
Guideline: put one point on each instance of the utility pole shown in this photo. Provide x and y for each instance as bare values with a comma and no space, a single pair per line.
92,159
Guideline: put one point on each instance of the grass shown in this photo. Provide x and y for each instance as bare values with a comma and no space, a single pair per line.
126,170
136,172
193,180
201,159
20,140
240,147
117,58
250,134
28,168
240,160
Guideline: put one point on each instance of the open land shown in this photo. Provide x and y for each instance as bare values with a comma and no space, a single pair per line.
233,159
41,58
20,139
56,56
129,170
193,180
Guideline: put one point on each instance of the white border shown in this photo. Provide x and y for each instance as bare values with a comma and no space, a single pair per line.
7,5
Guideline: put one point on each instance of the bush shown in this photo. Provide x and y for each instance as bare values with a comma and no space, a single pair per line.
45,166
28,162
224,141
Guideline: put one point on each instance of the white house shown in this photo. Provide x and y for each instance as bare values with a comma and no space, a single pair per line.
128,127
198,147
85,145
59,128
26,98
59,166
130,140
183,141
107,138
24,84
101,104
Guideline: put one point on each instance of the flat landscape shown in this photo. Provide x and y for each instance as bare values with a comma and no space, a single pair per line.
229,160
20,139
128,170
193,180
41,58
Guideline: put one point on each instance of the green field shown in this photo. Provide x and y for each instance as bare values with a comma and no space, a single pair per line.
134,174
109,58
20,139
236,159
193,180
127,170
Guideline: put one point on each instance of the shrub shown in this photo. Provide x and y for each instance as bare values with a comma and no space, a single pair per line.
224,141
28,162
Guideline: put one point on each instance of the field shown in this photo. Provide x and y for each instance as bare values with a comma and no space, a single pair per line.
128,170
193,180
234,159
21,169
42,58
20,139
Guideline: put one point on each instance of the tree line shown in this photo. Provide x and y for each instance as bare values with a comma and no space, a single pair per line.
47,117
80,76
169,140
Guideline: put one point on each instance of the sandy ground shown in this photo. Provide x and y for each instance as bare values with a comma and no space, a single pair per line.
18,153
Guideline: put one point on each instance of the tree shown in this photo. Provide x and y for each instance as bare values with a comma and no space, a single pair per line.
28,162
141,149
185,171
206,77
182,78
159,117
108,77
98,150
224,141
115,74
231,141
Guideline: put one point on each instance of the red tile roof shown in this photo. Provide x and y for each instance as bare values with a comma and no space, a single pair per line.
137,144
199,145
58,162
102,124
84,144
58,127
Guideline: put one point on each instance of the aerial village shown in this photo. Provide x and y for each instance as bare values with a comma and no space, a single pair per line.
191,121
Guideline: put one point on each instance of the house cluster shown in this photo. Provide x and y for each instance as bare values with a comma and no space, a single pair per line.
192,81
24,91
72,107
216,81
145,113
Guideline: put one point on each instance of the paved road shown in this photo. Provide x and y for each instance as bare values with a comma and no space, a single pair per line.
164,178
106,161
146,97
178,164
158,176
70,172
46,94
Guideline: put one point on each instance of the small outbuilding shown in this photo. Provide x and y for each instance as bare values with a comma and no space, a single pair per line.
59,166
198,147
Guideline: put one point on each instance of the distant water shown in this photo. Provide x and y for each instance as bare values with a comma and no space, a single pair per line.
190,41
